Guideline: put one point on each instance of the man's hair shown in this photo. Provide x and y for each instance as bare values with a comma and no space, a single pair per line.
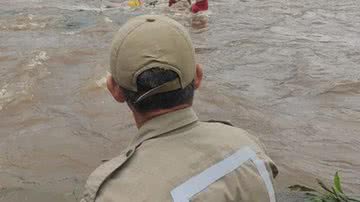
152,78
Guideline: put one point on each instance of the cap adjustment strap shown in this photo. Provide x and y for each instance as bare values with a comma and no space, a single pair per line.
165,87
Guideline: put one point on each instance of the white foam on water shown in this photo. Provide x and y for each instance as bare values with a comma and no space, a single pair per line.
102,81
19,89
20,26
24,22
70,32
37,25
80,7
39,59
3,92
108,20
5,96
31,16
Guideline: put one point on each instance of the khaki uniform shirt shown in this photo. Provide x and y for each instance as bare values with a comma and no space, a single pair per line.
177,158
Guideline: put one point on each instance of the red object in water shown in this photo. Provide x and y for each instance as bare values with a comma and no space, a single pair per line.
171,2
200,6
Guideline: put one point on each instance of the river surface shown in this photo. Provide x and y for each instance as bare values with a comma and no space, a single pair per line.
286,71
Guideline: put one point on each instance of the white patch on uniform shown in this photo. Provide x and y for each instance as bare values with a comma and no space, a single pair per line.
196,184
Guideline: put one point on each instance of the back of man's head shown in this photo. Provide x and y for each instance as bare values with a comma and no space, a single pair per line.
151,79
153,62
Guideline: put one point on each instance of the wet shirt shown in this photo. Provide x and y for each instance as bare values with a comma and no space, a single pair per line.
171,2
198,6
177,158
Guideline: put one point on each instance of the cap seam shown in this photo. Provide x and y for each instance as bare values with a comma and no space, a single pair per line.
181,34
122,42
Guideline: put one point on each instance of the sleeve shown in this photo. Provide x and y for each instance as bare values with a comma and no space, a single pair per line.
262,154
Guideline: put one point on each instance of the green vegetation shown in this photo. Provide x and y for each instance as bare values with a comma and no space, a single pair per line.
328,194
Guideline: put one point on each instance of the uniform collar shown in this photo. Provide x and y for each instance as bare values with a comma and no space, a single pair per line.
164,123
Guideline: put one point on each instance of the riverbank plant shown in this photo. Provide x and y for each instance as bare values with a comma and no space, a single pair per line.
334,193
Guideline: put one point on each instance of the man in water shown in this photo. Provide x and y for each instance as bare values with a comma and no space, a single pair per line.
173,156
199,19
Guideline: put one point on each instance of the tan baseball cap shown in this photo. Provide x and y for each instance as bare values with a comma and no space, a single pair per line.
149,41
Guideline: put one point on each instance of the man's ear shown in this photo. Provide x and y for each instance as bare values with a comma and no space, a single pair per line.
115,89
198,76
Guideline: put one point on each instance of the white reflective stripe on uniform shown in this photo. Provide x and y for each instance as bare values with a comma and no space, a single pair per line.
260,165
196,184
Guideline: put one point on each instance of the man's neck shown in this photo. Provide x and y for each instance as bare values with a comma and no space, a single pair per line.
142,118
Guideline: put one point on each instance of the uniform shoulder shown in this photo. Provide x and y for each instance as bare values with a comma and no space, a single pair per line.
98,177
237,136
226,127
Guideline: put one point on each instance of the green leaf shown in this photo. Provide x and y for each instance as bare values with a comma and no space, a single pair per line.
336,194
317,200
302,188
337,183
354,199
324,186
312,194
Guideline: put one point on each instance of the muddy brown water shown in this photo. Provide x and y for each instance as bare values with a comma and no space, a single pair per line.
287,71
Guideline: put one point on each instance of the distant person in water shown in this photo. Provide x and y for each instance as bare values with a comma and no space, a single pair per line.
199,19
199,5
134,3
